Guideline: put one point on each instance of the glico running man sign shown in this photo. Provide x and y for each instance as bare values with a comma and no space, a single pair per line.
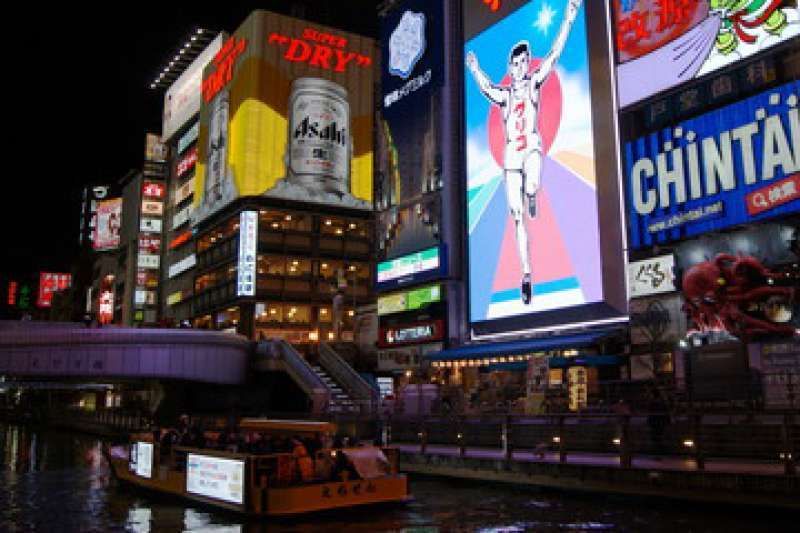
735,165
533,184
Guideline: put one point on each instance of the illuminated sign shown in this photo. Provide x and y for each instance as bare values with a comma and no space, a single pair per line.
187,162
412,333
149,244
652,276
663,44
409,300
180,240
410,267
182,266
731,166
147,279
149,261
108,221
105,307
319,49
182,99
150,224
532,163
12,294
248,244
153,189
223,63
493,5
189,137
182,217
151,207
144,459
50,283
184,191
175,298
214,477
154,149
302,133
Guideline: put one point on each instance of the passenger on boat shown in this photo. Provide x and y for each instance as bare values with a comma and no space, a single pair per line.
305,466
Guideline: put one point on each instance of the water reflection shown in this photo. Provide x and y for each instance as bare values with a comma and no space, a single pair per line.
54,481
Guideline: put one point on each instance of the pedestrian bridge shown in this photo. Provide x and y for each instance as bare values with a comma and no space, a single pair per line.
70,350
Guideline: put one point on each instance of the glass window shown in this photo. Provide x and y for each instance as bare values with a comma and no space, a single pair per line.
325,314
329,269
296,314
298,267
332,226
271,265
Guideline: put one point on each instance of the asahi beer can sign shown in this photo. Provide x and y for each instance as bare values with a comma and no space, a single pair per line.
319,136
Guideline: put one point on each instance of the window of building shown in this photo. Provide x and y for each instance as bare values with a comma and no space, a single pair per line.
278,220
296,267
296,314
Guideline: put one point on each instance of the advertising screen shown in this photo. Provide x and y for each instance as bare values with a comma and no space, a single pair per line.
144,459
154,149
409,166
663,44
216,478
409,300
182,99
287,113
49,283
533,192
109,219
416,266
188,138
735,165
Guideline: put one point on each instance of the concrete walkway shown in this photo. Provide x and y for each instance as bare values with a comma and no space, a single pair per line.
642,462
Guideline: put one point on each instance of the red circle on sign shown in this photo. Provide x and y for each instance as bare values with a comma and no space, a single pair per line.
548,118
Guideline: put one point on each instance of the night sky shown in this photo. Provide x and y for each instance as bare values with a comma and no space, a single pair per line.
80,105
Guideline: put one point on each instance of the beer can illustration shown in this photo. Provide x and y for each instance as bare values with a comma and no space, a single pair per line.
318,147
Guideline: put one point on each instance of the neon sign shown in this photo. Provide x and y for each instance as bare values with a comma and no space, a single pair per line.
223,64
319,49
493,5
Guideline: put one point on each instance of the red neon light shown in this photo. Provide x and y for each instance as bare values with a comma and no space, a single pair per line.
223,63
153,189
493,5
187,162
319,49
180,239
12,293
50,283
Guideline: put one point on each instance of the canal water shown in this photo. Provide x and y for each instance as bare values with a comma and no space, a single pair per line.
59,482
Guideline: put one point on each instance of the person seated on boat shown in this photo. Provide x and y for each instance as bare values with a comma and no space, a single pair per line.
343,469
263,444
168,439
305,465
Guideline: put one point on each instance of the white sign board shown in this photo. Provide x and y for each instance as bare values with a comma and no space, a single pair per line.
652,276
183,98
214,477
148,261
182,266
144,459
150,225
182,217
248,241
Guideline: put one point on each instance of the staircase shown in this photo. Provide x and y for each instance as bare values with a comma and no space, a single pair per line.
339,401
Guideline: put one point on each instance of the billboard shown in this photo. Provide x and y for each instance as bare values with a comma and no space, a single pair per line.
654,275
731,166
154,149
536,185
188,138
182,99
109,219
409,165
409,300
214,477
418,266
287,113
49,283
663,44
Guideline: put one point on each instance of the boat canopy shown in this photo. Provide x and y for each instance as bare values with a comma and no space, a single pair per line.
287,427
369,461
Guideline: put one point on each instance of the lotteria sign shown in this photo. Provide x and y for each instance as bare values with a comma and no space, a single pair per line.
734,165
412,333
425,264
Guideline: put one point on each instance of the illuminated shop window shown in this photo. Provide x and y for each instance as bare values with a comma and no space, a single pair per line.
271,265
325,315
296,314
296,267
333,226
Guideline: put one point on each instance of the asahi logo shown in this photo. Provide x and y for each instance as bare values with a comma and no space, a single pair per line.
313,129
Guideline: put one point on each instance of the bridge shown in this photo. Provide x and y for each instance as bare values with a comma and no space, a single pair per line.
34,350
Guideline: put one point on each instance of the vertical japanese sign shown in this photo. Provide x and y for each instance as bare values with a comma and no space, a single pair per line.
49,283
248,245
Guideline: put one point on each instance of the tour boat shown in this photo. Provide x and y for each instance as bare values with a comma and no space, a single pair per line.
264,484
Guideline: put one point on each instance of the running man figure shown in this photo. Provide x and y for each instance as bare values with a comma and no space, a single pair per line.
522,157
